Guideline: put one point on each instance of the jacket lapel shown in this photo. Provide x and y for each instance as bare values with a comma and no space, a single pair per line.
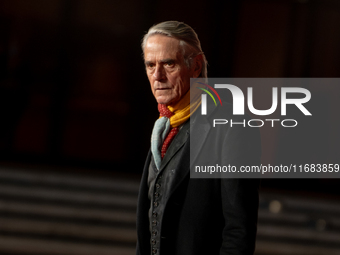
190,151
199,132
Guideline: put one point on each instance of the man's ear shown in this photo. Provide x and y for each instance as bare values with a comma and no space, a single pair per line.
197,65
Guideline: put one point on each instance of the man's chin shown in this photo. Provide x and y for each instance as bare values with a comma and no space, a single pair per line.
165,101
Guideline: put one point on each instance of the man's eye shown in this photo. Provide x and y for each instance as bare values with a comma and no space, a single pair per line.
150,65
169,64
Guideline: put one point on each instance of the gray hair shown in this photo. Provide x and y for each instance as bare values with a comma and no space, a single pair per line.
188,38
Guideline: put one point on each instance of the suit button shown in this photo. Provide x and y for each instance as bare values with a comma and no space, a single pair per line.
153,241
154,251
156,194
154,223
155,204
154,214
158,186
154,232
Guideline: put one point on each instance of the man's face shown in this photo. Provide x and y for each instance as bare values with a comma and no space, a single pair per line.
165,67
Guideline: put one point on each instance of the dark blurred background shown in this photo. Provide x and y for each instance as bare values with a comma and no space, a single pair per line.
76,103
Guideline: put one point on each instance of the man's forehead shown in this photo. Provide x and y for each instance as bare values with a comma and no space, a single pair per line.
163,45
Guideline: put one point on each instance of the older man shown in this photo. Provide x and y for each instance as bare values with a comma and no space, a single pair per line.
177,214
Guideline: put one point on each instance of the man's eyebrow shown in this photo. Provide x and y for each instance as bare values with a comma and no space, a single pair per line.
167,60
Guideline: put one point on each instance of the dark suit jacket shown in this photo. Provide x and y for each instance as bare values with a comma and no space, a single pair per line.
207,216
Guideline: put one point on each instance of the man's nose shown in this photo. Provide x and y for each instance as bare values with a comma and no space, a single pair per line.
159,73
